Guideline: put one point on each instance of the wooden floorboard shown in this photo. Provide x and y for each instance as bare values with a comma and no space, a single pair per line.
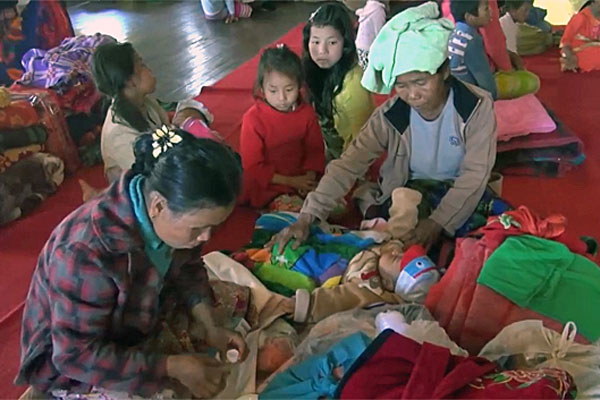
184,50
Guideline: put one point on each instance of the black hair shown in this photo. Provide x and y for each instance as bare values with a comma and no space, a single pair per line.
324,84
515,4
280,59
460,8
586,4
113,64
192,174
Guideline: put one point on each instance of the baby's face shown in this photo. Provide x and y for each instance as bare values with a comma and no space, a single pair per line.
389,264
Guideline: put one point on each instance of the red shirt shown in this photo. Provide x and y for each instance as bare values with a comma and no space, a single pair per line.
275,142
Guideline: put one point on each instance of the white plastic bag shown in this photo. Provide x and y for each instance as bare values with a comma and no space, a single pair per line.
418,330
547,348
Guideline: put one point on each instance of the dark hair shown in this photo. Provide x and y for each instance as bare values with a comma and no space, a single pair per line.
192,174
325,84
280,59
113,65
586,4
460,8
515,4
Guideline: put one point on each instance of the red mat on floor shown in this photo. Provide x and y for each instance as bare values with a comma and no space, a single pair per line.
571,96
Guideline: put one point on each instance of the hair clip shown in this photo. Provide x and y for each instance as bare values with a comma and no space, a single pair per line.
312,16
164,138
280,45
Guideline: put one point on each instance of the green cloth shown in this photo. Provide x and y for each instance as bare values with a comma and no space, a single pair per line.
414,40
544,276
281,280
159,253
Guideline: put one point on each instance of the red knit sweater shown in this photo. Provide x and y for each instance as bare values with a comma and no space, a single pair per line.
275,142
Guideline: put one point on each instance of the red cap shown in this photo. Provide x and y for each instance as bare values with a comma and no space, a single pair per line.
414,251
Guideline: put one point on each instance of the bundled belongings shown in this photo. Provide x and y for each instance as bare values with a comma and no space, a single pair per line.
541,153
27,183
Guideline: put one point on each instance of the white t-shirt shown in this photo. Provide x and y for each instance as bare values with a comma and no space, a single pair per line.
437,148
510,29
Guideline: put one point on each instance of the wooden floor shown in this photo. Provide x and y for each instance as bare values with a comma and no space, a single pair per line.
184,50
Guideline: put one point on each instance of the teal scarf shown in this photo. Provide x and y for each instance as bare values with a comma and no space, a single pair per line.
159,253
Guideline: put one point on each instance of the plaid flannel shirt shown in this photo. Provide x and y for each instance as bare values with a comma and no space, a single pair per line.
94,299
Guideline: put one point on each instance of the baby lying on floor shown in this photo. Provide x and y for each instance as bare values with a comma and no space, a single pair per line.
384,273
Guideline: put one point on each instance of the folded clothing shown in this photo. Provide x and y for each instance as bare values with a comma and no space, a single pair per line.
11,139
522,116
549,154
545,276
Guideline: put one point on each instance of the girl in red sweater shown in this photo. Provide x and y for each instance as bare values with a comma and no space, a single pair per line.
281,144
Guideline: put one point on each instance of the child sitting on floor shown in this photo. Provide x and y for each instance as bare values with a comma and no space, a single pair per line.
120,73
225,10
468,60
281,143
580,44
333,77
371,19
517,12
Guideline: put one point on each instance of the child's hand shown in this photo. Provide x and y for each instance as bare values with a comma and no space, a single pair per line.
516,61
569,63
186,113
231,19
306,182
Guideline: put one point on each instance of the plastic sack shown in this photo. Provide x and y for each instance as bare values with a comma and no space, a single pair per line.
419,330
340,325
543,347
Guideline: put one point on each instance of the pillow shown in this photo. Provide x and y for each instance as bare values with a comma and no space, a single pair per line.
521,116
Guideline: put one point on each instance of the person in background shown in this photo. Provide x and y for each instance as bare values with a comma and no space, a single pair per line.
333,77
580,44
467,54
517,12
120,73
468,61
371,19
225,10
281,142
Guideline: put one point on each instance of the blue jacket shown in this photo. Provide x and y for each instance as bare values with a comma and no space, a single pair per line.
468,60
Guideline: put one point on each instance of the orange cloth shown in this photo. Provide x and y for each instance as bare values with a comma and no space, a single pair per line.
583,27
550,227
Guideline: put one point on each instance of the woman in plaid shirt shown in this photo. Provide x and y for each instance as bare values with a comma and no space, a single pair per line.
113,266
